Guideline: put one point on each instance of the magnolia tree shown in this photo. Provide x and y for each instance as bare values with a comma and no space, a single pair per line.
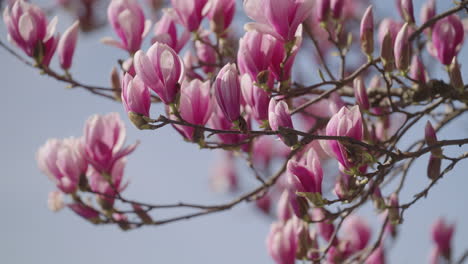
230,86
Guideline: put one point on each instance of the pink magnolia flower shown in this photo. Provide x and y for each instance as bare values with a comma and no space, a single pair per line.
84,211
357,232
417,70
256,98
255,53
161,69
345,123
136,96
442,233
402,49
107,184
367,32
360,93
63,162
221,13
189,13
282,69
55,201
128,21
389,26
279,18
104,138
195,106
282,242
279,117
227,92
66,45
306,175
165,31
447,38
28,29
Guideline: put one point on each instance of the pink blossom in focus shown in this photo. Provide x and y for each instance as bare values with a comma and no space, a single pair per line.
161,69
256,98
221,13
189,13
66,45
195,105
128,21
136,96
306,175
227,92
104,139
279,18
165,31
345,123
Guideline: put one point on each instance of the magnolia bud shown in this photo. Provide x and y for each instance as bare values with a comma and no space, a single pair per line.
360,93
433,167
386,53
455,75
402,49
367,32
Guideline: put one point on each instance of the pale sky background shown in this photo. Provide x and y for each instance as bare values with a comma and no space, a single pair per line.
163,169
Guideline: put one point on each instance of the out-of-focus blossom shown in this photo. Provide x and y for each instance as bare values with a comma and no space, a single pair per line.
228,92
84,211
63,162
389,26
264,203
128,21
165,31
306,175
417,71
442,234
161,69
357,232
224,175
345,123
428,11
367,32
256,98
66,45
336,7
322,7
205,52
55,201
189,12
402,49
377,256
104,139
195,106
278,18
325,228
456,78
219,121
282,242
28,29
286,205
360,93
405,7
221,13
447,38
